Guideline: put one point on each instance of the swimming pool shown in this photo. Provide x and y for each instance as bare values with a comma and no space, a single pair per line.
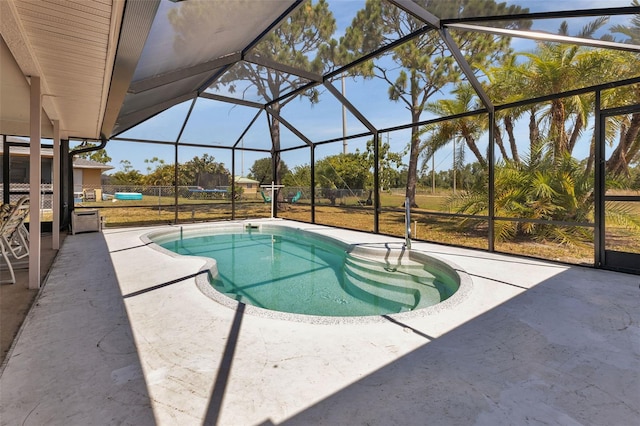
127,196
285,269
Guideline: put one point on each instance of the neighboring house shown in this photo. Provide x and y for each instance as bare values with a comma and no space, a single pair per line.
87,174
249,186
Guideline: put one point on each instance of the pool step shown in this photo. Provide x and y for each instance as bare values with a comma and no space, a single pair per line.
415,271
399,288
376,294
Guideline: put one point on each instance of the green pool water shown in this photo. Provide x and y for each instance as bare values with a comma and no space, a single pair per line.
304,275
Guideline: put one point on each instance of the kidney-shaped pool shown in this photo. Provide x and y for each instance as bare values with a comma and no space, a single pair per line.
286,269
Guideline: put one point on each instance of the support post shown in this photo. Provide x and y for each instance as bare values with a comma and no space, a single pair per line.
55,203
176,174
35,117
599,183
376,181
6,175
233,183
312,190
175,185
492,185
344,118
66,175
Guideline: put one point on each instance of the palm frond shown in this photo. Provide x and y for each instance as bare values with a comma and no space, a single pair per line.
621,214
504,231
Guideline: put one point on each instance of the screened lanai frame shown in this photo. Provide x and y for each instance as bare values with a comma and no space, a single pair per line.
203,74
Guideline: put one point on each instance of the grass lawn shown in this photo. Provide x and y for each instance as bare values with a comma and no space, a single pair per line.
352,213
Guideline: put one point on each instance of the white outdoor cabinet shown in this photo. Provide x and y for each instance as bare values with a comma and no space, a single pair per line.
85,221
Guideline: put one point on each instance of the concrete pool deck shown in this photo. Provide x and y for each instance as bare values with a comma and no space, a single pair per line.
120,334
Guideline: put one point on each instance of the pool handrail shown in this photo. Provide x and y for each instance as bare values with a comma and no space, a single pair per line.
407,223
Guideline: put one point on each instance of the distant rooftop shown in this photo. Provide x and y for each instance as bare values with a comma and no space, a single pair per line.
78,163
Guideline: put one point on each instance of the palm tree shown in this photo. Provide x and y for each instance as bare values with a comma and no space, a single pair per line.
632,31
505,85
536,189
557,67
549,184
628,149
467,129
541,188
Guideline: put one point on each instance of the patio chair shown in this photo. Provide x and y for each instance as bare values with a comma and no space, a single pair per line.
295,198
265,197
14,237
20,239
89,195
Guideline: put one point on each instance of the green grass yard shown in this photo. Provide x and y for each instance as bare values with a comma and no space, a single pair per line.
352,213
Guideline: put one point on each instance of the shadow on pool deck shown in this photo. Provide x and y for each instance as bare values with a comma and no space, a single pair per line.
564,352
76,354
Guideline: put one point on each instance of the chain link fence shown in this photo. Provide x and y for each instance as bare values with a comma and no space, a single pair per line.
19,190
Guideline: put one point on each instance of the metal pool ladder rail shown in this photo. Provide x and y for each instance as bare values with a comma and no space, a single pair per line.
407,223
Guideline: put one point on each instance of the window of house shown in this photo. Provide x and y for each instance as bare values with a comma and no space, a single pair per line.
19,169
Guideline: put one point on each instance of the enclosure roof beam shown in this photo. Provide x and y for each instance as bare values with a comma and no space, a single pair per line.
255,117
466,69
183,144
180,74
434,120
139,140
137,117
346,138
288,125
542,36
419,12
362,59
230,100
293,93
344,101
253,43
136,24
185,121
259,60
568,93
378,52
561,14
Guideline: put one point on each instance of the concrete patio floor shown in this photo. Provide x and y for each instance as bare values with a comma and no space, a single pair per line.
120,334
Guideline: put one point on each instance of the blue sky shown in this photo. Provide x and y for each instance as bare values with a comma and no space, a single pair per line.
219,123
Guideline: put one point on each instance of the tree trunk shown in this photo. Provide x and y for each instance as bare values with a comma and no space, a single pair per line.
534,133
412,171
575,133
471,143
627,148
500,143
275,151
634,140
556,132
508,126
592,156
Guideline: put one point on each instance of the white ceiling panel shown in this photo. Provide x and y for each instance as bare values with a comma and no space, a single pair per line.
14,98
70,45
